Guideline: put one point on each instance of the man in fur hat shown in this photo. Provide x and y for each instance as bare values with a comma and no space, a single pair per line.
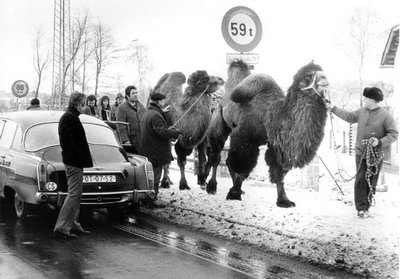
377,127
156,135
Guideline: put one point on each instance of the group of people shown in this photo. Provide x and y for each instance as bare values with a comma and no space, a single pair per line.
104,111
150,132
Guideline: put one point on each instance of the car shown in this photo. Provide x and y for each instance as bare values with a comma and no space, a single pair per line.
32,173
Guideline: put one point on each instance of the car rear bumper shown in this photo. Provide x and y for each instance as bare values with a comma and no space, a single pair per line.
97,199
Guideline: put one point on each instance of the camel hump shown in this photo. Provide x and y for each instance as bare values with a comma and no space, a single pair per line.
253,85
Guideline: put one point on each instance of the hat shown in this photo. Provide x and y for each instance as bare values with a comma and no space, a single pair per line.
373,93
156,96
35,101
119,95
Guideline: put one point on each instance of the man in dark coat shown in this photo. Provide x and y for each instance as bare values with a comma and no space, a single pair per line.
131,111
156,135
76,156
377,126
35,104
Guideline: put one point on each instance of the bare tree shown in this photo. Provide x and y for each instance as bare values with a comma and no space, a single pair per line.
41,58
140,59
363,36
104,53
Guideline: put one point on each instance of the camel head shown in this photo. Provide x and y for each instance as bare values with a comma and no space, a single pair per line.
199,82
311,78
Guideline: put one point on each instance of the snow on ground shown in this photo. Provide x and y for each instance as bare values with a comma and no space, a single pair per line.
323,227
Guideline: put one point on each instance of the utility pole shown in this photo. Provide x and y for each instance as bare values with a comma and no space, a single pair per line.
61,46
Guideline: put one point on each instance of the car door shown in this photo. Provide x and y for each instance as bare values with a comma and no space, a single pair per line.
6,159
2,155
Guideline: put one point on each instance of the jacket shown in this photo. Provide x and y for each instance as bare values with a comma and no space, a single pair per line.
88,111
133,115
156,136
74,147
378,123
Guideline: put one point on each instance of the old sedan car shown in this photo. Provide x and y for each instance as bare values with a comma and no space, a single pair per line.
32,172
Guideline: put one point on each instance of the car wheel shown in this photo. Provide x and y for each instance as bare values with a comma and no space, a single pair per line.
22,209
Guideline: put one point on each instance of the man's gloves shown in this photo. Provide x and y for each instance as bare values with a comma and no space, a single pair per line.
374,141
174,132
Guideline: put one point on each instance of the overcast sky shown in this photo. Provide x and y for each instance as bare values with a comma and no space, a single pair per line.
185,35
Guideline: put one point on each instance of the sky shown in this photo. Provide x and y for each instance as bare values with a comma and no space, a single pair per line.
185,35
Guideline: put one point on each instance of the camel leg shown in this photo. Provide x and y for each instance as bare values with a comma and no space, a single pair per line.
202,155
182,154
277,175
217,143
242,158
166,181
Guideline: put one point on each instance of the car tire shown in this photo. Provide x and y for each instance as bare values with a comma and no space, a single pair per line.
22,209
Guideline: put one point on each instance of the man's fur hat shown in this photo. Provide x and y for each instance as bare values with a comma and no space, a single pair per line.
373,93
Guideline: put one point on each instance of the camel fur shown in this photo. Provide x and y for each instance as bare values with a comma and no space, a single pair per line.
257,112
191,114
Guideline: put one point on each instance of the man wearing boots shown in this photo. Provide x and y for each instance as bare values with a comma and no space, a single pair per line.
377,128
156,135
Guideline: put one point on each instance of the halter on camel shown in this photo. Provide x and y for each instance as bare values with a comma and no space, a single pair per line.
312,86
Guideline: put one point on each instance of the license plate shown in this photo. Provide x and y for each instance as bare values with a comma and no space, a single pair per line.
98,178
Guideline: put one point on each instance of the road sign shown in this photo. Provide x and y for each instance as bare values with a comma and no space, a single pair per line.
20,88
241,28
248,58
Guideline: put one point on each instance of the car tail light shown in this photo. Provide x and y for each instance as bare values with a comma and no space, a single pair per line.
42,176
150,175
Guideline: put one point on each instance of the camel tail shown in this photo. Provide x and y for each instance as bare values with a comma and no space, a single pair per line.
253,85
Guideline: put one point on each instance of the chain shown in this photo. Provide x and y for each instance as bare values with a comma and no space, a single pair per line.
373,158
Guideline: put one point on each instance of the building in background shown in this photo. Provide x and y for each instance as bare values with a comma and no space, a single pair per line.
390,59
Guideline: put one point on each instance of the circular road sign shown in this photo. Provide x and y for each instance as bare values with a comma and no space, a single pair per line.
20,88
241,28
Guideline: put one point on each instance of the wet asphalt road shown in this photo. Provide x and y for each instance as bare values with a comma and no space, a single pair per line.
134,248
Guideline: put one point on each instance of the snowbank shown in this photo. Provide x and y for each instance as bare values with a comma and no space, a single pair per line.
323,227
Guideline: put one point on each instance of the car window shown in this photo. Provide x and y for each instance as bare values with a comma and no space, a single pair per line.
2,122
8,133
46,134
17,139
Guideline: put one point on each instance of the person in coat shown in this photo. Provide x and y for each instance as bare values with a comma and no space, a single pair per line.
91,106
131,112
35,104
156,135
119,99
377,126
75,156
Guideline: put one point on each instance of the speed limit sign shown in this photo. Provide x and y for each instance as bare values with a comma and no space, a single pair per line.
20,88
241,28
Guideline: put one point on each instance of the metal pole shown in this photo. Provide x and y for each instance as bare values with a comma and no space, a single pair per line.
331,175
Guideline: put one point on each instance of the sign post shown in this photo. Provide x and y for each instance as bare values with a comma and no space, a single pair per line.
242,30
19,89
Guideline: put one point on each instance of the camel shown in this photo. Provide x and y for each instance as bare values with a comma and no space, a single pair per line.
255,111
191,114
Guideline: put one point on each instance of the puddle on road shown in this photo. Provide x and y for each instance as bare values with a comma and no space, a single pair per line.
199,248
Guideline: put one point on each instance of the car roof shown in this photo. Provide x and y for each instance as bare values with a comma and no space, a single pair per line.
27,118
